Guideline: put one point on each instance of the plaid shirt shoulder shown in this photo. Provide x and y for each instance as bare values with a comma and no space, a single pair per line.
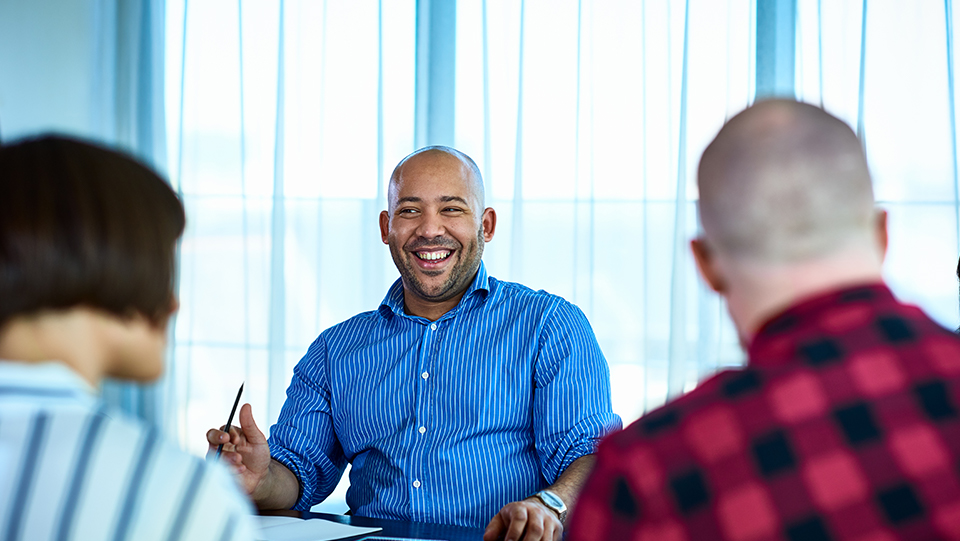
844,426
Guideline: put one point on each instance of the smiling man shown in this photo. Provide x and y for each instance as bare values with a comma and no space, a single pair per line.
462,399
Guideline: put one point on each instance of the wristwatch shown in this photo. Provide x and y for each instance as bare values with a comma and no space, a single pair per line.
554,502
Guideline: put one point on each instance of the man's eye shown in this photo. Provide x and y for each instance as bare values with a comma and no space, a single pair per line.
453,209
407,211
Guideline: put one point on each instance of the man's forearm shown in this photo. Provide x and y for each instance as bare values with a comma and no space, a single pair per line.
571,481
279,489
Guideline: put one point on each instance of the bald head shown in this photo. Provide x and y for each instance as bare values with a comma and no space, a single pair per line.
440,160
784,181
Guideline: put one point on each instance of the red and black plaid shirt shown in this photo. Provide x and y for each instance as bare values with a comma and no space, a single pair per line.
844,425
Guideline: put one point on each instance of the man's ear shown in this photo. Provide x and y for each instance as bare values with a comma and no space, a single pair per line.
706,264
880,230
384,226
489,222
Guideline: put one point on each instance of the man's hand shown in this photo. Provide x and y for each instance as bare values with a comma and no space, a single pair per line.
245,450
528,519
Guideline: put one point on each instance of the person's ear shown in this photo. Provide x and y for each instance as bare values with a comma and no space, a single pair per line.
384,226
880,230
707,265
174,306
171,310
489,221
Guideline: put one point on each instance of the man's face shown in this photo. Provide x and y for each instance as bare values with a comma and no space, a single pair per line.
436,226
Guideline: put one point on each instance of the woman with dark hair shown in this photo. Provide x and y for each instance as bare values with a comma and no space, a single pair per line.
87,261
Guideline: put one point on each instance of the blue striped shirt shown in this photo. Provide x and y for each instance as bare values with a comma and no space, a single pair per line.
446,421
70,469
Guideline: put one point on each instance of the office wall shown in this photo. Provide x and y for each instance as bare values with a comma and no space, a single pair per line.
49,67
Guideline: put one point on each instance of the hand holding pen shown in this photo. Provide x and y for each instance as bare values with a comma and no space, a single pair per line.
244,449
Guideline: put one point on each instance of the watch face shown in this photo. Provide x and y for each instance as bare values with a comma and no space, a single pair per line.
551,499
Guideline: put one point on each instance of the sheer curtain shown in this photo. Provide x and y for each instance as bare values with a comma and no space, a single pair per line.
886,68
587,118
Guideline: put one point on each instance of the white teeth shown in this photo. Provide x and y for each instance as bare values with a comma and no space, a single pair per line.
432,256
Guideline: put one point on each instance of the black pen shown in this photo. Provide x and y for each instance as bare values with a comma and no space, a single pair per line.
230,419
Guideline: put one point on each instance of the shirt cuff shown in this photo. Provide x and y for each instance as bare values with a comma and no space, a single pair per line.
582,440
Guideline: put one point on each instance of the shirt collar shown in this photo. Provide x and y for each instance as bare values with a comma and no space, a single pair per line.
776,339
51,379
393,302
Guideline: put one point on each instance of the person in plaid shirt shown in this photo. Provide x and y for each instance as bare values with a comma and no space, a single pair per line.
844,425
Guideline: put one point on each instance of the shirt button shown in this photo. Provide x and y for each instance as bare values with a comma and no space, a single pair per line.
425,375
423,429
433,326
416,484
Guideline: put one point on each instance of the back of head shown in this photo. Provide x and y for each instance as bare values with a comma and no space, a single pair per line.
81,225
782,182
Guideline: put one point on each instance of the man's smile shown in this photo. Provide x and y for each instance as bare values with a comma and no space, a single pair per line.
433,260
433,255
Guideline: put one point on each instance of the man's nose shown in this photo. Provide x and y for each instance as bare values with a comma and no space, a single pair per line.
431,225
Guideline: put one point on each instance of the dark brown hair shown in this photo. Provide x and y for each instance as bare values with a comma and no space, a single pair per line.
82,225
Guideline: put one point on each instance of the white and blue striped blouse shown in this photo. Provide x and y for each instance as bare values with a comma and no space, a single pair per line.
71,470
446,421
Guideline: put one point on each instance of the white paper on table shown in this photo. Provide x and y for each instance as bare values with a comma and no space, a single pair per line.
268,521
314,529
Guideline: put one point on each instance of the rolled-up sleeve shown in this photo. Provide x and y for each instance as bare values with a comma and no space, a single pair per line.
572,408
303,439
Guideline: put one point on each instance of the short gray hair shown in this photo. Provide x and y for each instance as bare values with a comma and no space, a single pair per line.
784,181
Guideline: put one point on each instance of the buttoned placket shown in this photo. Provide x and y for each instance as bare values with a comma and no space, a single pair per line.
421,500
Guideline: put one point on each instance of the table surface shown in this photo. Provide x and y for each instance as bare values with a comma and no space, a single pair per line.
395,529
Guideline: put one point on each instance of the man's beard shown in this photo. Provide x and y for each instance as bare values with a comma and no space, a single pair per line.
462,273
